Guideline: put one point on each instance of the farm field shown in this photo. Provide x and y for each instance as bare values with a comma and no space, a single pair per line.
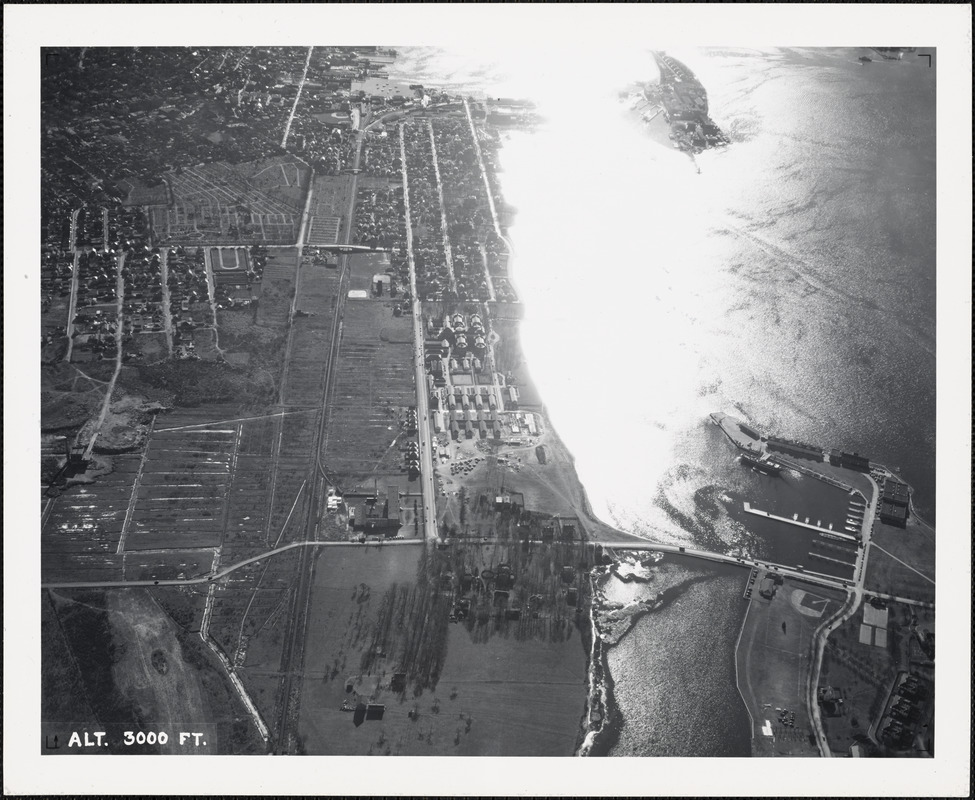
80,534
181,489
200,484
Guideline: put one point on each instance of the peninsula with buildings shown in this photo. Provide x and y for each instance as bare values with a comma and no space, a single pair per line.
674,108
298,487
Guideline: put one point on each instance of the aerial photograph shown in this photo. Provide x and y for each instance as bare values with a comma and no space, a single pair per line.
432,400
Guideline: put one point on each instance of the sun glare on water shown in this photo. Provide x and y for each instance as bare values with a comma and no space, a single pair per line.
608,236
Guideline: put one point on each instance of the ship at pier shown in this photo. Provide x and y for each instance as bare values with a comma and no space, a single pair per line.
761,464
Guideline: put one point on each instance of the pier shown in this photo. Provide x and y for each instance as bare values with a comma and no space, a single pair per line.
834,560
734,429
819,529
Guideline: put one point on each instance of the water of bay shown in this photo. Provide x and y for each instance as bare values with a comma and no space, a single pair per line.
788,279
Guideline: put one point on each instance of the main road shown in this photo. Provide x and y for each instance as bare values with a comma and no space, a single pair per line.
291,116
214,577
849,608
785,571
422,403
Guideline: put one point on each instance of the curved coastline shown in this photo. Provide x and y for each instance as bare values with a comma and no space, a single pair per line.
602,720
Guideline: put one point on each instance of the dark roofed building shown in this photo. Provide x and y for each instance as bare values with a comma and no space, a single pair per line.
896,492
891,514
767,587
382,525
839,458
749,431
392,501
795,448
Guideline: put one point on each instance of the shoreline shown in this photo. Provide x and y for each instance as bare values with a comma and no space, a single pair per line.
812,472
741,694
602,722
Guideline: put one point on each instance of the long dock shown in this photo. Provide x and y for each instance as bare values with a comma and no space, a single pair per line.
817,528
814,473
834,560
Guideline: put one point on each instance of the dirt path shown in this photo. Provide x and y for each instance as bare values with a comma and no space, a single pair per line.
110,390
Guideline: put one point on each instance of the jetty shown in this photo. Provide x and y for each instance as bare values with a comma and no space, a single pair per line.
758,512
741,434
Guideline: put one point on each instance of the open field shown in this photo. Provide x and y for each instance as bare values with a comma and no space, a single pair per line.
250,611
149,347
913,545
205,344
63,697
134,668
362,266
311,335
202,386
250,345
54,321
69,394
138,193
277,287
184,604
773,658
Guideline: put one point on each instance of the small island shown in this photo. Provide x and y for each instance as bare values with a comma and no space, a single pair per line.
676,107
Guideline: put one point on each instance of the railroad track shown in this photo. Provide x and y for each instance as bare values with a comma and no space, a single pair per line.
293,652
